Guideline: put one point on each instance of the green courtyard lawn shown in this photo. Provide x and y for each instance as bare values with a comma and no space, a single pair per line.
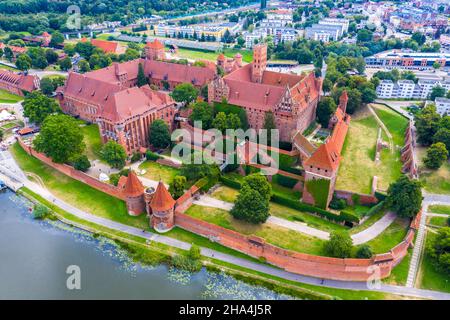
225,193
7,97
156,171
92,140
390,237
437,208
192,54
275,235
358,165
429,277
434,181
395,122
75,192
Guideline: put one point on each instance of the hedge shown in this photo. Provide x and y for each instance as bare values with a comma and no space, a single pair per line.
294,204
380,195
285,181
230,182
375,209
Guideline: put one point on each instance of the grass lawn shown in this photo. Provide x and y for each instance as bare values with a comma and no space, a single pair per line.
284,191
156,171
438,221
225,193
358,166
399,274
6,67
358,210
275,235
92,140
7,97
77,193
434,181
429,277
192,54
390,237
367,223
437,208
395,122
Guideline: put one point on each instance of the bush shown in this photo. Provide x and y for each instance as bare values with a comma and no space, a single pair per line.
284,181
176,187
82,163
349,216
135,157
40,212
230,182
151,156
340,245
364,252
356,199
338,204
191,261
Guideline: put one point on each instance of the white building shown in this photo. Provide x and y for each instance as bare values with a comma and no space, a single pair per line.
280,16
336,22
407,89
442,106
256,36
385,89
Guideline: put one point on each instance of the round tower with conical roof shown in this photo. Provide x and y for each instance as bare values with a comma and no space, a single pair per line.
134,195
162,206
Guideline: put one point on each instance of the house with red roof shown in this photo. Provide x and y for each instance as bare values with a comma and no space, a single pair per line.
291,98
18,83
106,46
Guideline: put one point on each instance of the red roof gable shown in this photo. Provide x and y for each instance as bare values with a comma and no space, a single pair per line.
156,44
133,186
106,46
162,200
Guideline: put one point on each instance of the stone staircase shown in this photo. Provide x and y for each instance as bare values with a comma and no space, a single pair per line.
417,252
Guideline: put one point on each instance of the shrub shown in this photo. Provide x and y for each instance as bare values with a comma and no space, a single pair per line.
340,245
176,187
40,211
230,182
114,179
364,252
191,261
356,199
135,157
82,163
297,218
338,204
284,181
151,156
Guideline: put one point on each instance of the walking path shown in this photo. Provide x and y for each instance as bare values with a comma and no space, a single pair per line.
361,237
383,126
349,285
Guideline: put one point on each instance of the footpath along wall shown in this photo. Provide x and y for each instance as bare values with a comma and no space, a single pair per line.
305,264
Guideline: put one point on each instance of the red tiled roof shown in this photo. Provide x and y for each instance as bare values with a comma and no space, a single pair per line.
156,44
16,49
25,130
162,200
106,46
133,186
21,81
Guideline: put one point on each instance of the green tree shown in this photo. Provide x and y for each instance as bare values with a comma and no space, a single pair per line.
419,38
47,86
202,111
427,124
443,135
57,38
233,121
2,134
185,92
159,134
37,107
364,252
65,64
83,66
60,138
405,197
9,55
259,183
51,56
40,211
325,109
439,250
220,121
437,92
436,155
81,163
114,154
177,186
23,62
364,35
141,78
269,121
250,206
340,245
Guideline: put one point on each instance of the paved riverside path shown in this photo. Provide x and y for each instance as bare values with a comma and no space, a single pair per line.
358,238
349,285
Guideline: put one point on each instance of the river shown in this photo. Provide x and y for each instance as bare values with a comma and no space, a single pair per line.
35,255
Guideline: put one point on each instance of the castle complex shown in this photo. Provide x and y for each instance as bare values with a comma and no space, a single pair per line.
291,98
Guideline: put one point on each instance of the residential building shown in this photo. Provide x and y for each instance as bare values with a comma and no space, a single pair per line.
254,37
407,89
323,32
442,106
407,60
336,22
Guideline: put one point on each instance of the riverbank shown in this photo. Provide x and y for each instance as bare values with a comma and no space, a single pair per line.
161,252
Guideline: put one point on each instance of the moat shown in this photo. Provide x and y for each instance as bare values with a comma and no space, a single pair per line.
36,254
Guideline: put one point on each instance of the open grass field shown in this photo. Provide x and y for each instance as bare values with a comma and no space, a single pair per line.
358,166
92,140
429,277
77,193
156,171
395,122
438,221
390,237
6,97
437,208
191,54
399,274
278,236
434,181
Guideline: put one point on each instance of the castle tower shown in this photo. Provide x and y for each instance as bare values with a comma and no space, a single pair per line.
343,100
134,195
221,61
238,59
162,206
259,62
154,50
